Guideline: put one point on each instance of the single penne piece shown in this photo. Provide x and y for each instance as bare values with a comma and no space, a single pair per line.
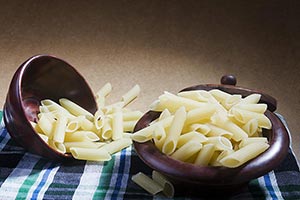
225,123
83,144
174,131
204,156
100,101
128,126
90,154
75,109
146,133
46,125
131,94
220,143
204,129
191,136
251,127
106,132
251,99
232,100
214,159
132,115
244,116
259,108
117,124
173,102
109,109
168,188
201,114
98,119
223,154
105,90
60,129
186,151
73,125
60,147
86,124
78,136
216,131
164,114
244,154
220,95
159,136
147,183
194,95
117,145
250,140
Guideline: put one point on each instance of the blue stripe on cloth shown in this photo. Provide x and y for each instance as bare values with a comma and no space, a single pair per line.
269,186
120,174
43,181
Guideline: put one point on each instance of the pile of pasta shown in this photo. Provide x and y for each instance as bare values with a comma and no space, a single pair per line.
69,128
208,128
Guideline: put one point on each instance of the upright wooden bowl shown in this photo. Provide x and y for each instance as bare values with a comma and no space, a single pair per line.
209,180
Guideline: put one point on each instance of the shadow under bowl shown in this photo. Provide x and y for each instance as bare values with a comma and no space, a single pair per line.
42,77
210,180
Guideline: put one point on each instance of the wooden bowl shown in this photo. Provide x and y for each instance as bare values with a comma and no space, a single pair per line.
42,77
208,180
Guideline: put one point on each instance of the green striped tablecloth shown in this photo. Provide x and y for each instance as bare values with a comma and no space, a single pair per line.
27,176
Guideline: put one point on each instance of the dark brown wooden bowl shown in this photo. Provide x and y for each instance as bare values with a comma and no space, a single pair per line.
217,180
42,77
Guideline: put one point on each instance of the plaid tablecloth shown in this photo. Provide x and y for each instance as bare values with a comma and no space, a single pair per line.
27,176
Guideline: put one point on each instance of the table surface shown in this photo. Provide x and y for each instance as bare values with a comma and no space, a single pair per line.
161,45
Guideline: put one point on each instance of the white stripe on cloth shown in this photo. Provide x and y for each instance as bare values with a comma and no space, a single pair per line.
126,172
89,181
114,176
9,189
275,185
40,180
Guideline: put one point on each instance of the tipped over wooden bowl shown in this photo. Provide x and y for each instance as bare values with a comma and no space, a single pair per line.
42,77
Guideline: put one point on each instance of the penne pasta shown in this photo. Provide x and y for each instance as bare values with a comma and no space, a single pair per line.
117,124
131,94
147,183
74,108
205,155
174,131
199,115
90,154
186,151
220,143
247,141
117,145
83,144
81,136
191,136
195,95
244,154
59,129
168,188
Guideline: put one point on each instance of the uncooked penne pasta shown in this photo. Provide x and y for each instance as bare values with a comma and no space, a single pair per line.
168,188
173,102
159,136
46,125
194,95
251,127
244,154
83,144
106,132
60,129
216,131
117,145
86,124
200,128
247,141
164,114
128,126
232,100
105,90
78,136
72,125
60,147
219,95
205,155
191,136
74,108
174,131
146,133
251,99
186,151
147,183
220,143
259,108
90,154
132,115
201,114
117,124
131,94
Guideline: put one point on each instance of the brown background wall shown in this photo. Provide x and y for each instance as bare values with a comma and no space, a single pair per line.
162,45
